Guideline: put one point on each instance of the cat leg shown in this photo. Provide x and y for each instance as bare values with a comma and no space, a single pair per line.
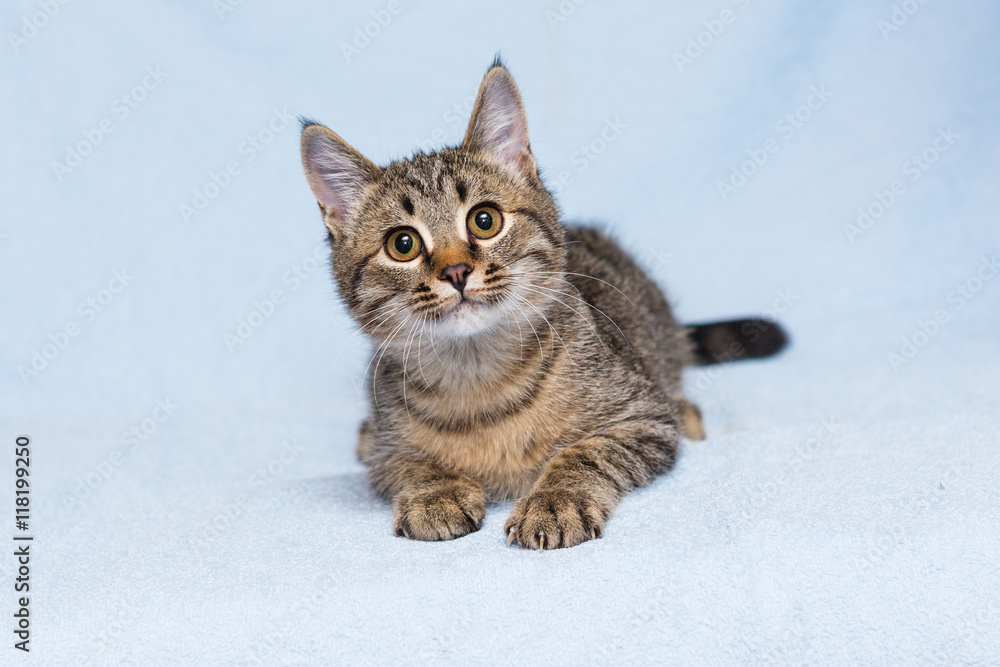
364,446
583,483
429,502
691,423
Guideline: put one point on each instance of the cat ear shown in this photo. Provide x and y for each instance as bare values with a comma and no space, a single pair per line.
337,174
499,126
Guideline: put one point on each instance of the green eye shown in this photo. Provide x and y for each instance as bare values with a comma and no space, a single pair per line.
403,244
484,222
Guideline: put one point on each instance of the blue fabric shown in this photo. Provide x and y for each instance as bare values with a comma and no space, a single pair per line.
174,349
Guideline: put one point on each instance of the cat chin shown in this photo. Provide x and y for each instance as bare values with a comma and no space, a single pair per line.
466,320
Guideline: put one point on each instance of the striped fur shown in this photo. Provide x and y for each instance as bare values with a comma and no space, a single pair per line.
553,376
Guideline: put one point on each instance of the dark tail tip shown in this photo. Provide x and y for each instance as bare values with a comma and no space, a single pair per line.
734,340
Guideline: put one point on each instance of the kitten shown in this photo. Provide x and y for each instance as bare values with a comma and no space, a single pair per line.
516,357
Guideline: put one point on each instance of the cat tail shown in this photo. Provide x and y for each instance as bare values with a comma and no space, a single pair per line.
734,340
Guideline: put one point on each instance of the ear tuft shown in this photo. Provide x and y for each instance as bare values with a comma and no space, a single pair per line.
499,124
337,174
306,121
497,62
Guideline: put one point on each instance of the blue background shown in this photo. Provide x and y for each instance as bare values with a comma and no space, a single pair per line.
844,507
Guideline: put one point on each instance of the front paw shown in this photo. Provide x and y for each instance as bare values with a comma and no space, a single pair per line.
553,518
449,509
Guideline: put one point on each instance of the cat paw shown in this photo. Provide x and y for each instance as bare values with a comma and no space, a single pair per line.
692,425
555,518
443,512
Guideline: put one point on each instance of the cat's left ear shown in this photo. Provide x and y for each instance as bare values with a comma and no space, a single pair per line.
337,175
499,125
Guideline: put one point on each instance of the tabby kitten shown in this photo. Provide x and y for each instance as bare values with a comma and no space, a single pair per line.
516,357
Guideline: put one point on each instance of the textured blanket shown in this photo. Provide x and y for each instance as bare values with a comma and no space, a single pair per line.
174,351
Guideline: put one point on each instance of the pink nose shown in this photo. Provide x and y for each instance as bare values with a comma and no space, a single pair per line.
456,274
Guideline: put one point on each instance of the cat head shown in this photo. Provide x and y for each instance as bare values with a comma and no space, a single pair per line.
457,242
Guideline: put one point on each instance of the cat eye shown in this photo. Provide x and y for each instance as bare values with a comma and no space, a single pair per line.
484,222
403,244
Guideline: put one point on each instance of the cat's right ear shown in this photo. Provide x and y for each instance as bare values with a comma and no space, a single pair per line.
337,175
499,124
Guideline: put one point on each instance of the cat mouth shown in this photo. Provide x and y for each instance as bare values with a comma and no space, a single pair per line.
466,315
465,303
465,307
